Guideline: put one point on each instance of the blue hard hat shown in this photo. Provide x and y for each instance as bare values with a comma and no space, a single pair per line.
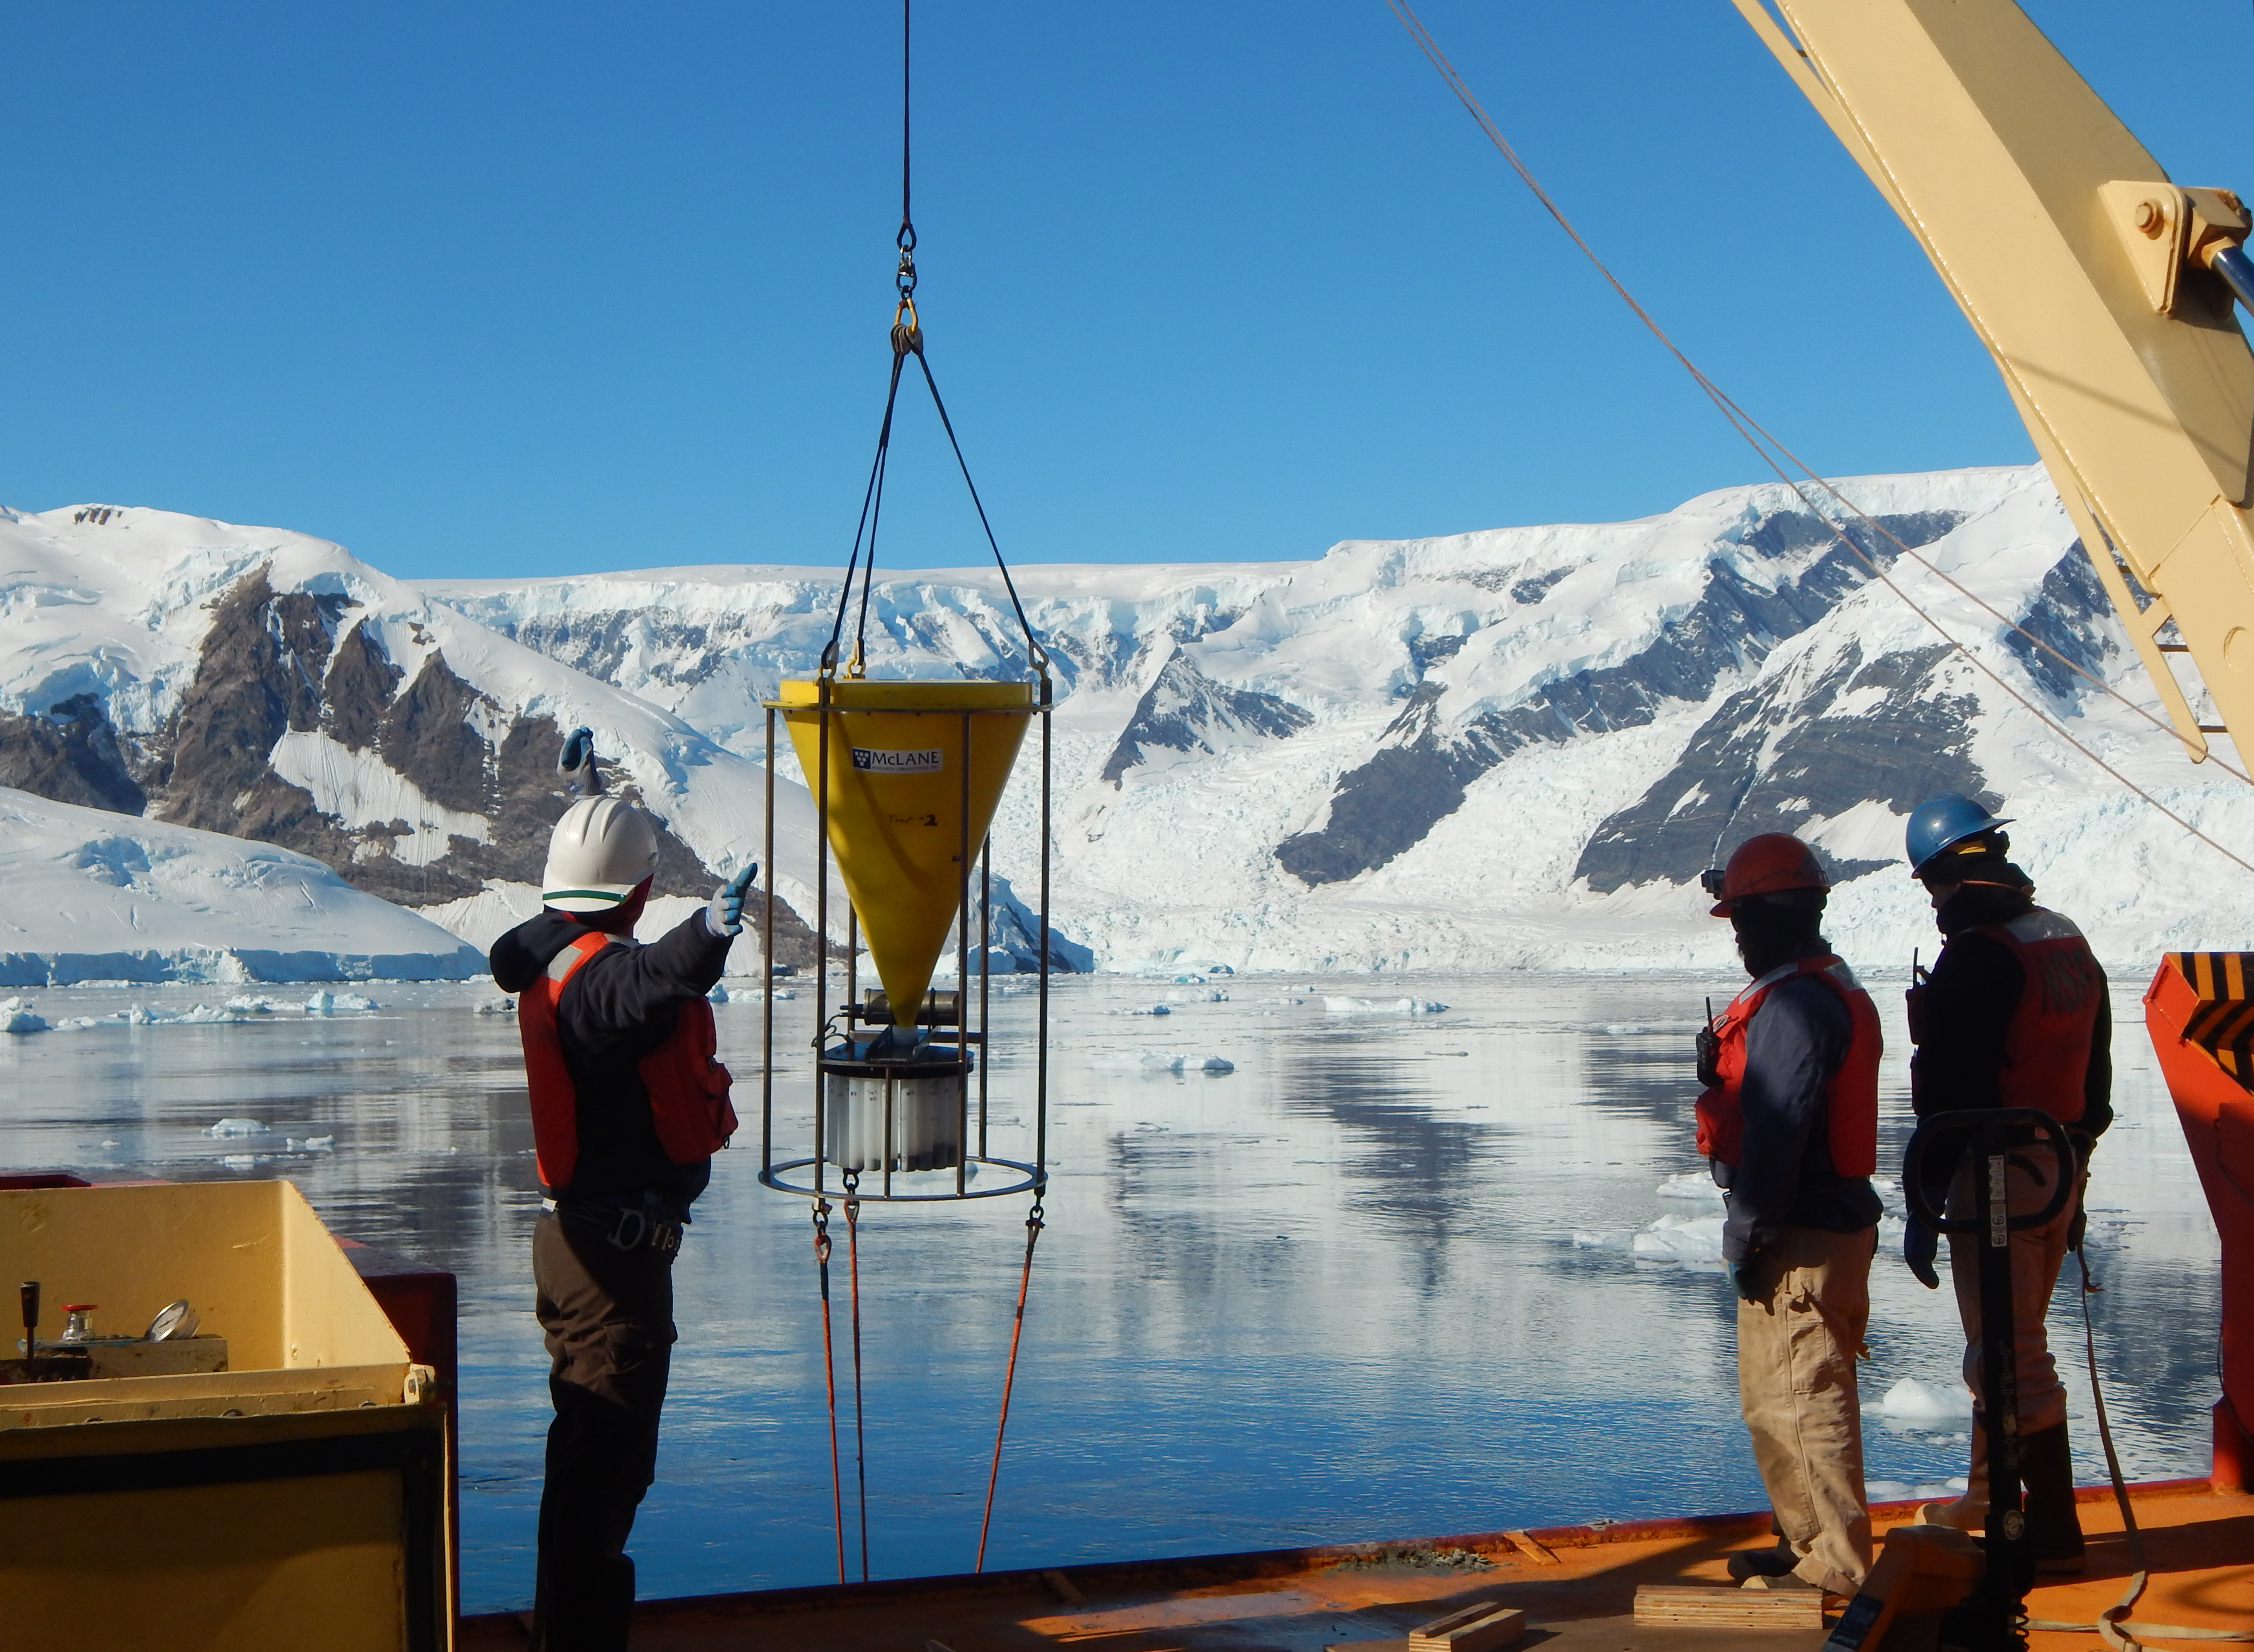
1939,822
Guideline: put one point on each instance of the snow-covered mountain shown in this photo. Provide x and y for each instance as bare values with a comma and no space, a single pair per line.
87,896
271,685
1509,748
1515,747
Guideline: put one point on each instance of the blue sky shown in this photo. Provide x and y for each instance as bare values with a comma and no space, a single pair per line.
504,290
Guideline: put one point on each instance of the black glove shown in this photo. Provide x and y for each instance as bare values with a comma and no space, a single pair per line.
1710,1058
576,746
1920,1246
1740,1275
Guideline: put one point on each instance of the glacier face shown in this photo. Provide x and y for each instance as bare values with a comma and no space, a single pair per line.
1509,748
89,895
1512,748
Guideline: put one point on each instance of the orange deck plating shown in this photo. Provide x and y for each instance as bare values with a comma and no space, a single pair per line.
2201,1543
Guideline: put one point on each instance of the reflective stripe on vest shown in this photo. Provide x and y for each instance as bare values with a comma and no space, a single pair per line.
1851,1099
2047,1047
687,1086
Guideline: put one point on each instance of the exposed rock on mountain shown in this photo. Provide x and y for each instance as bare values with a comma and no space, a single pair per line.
1390,802
1184,711
70,753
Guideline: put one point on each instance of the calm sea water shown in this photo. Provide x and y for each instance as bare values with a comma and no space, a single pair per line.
1397,1274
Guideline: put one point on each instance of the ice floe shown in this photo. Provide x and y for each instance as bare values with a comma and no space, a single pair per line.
1333,1006
1165,1061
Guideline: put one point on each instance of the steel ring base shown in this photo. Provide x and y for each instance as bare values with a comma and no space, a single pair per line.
1030,1179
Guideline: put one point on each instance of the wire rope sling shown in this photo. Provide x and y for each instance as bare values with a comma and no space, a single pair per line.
906,775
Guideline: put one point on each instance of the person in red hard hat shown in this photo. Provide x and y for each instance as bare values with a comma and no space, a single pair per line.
628,1106
1787,1119
2015,1013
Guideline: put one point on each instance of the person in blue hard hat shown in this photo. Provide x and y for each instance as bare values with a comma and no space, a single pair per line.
2013,1014
629,1102
1789,1121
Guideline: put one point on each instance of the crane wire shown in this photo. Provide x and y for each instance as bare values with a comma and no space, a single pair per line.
1754,436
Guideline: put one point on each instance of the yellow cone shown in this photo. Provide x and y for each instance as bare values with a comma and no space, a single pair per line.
897,804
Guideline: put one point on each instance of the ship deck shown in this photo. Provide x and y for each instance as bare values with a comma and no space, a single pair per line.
1579,1598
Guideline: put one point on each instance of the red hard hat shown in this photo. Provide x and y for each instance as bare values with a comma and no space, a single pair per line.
1766,865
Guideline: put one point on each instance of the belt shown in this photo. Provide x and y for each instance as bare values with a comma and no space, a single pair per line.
624,1227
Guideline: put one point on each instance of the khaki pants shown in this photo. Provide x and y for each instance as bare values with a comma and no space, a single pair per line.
1796,1349
2037,1254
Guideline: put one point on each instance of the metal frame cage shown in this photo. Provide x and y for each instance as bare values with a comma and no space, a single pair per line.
958,1048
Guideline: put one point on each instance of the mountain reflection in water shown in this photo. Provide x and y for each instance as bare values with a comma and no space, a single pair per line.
1381,1281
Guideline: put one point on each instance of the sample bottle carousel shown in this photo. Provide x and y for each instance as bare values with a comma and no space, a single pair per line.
905,777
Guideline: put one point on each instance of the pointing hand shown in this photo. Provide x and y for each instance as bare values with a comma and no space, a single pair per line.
578,747
726,911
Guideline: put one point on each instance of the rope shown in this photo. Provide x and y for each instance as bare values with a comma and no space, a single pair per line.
1754,436
1034,1225
2112,1625
860,1452
829,1376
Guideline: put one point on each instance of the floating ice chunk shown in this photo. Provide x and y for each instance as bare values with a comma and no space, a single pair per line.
1692,1183
239,1161
1630,1029
783,993
320,1144
719,994
1619,1239
22,1021
1381,1006
252,1006
496,1006
1911,1401
1682,1239
237,1127
353,1001
78,1023
205,1015
327,1003
1166,1061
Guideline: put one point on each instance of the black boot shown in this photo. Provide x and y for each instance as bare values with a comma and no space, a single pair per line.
2053,1529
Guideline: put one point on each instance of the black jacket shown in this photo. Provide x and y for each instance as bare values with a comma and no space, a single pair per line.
1966,1011
620,1005
1794,1046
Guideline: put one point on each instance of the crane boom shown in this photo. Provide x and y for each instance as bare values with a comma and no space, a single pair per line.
2103,291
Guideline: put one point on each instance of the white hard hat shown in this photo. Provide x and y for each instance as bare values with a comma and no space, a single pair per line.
598,852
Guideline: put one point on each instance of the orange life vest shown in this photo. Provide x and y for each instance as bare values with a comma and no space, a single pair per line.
1851,1098
688,1085
2047,1047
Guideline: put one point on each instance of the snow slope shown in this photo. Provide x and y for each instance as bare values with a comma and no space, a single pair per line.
1511,748
86,894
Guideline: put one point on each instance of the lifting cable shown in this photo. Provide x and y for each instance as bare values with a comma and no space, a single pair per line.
1034,1225
1761,441
853,1287
908,340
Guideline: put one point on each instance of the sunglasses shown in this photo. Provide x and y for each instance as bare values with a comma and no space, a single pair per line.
1711,881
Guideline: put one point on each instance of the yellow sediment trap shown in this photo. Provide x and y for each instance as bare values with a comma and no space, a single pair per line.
901,820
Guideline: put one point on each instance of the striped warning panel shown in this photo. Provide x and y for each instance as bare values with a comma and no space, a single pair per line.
2223,1022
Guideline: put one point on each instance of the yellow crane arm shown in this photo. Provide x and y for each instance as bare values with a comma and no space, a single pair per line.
2103,291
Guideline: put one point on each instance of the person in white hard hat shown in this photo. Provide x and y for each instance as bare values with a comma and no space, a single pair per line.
629,1102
